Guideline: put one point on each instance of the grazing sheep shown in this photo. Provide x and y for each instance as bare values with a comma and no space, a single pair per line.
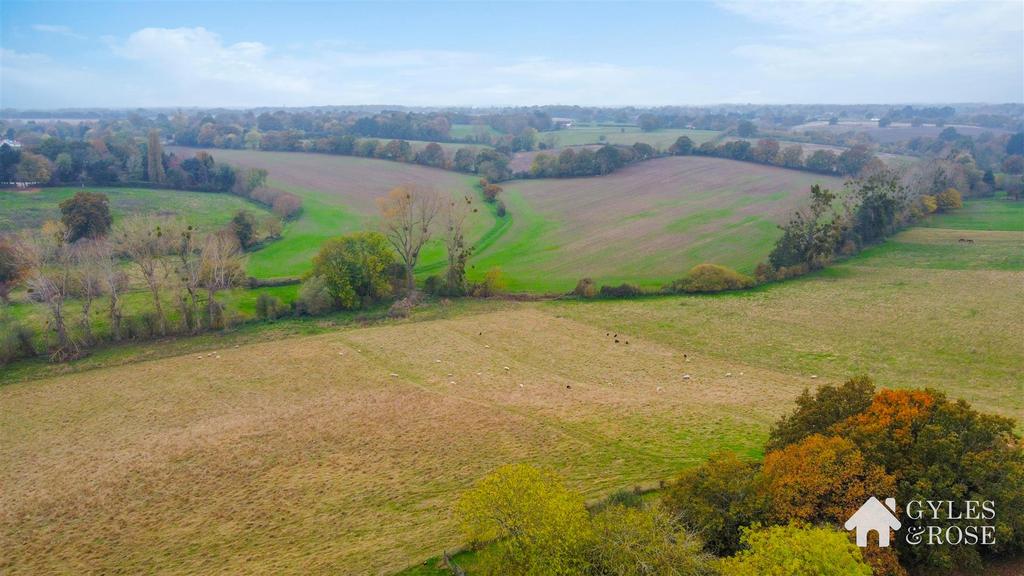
686,376
507,368
394,375
728,374
814,376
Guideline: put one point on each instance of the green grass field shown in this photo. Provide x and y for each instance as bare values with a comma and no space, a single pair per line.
205,210
626,135
999,214
469,130
323,445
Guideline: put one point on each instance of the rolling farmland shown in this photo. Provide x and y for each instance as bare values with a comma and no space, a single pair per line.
343,451
648,223
339,195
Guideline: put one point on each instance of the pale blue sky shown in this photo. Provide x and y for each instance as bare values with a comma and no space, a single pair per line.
239,54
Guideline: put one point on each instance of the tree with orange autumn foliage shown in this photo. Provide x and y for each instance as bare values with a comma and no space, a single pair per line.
940,450
824,480
821,479
887,429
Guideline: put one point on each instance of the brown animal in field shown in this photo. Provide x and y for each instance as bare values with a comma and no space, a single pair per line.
966,241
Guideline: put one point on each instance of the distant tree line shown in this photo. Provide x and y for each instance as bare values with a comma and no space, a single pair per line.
120,159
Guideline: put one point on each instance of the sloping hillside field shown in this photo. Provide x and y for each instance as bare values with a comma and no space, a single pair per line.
343,452
338,196
648,223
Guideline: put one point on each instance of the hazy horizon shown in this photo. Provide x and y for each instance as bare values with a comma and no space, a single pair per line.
243,55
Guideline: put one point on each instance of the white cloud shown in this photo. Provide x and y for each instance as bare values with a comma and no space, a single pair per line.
58,29
197,67
907,51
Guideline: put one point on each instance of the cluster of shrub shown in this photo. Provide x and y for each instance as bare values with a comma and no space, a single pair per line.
734,517
582,161
850,162
362,270
74,267
871,209
701,279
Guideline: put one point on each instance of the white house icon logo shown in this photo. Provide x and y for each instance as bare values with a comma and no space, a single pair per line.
873,516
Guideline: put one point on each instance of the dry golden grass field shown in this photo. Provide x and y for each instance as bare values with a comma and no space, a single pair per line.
342,452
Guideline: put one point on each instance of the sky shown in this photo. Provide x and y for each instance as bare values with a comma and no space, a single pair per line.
247,54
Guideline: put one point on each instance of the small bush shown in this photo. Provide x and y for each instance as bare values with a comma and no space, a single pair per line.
624,290
586,288
764,273
949,199
712,278
269,307
500,211
787,272
433,285
493,284
315,297
17,343
400,309
627,497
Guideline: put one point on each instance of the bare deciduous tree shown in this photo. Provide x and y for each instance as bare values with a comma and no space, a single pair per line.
407,214
115,284
145,242
87,281
51,264
220,269
456,212
188,271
